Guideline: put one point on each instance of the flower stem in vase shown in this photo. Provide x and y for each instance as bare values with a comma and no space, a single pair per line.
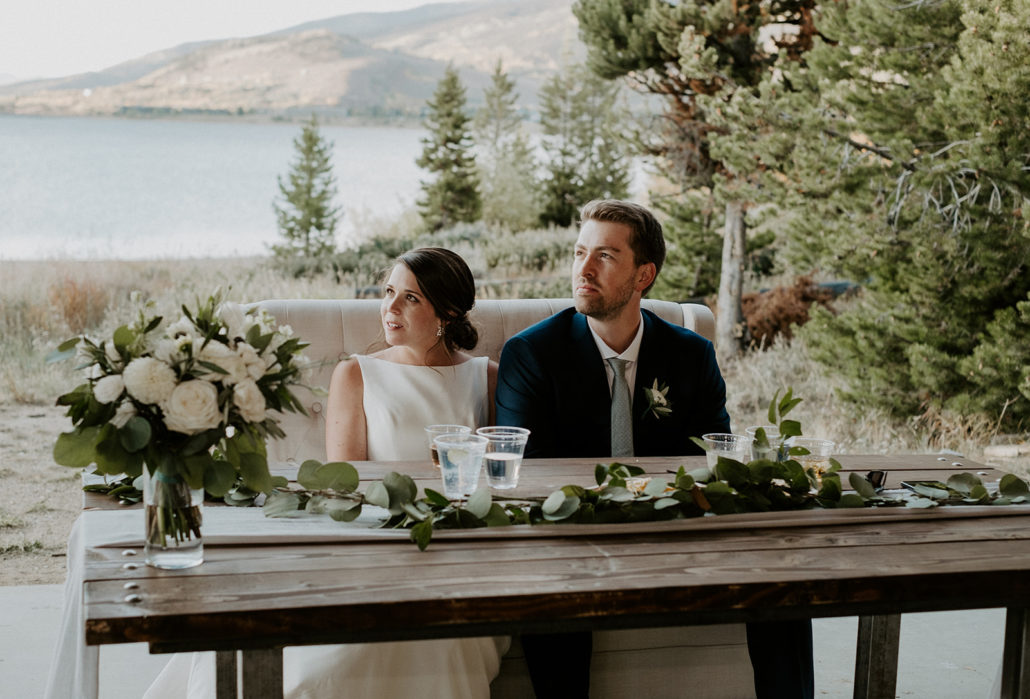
173,519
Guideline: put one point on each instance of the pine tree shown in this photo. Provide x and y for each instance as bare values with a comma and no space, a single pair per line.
588,158
914,179
453,196
505,158
307,218
700,59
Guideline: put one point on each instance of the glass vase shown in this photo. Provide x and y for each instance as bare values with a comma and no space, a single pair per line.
173,517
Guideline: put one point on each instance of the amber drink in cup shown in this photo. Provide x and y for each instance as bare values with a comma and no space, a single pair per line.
434,431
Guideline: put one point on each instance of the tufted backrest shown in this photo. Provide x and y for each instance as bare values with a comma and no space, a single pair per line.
335,329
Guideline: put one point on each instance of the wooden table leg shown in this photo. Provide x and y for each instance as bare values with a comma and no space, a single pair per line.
1015,671
263,673
876,658
225,674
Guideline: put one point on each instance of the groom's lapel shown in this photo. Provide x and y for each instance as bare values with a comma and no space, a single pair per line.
650,366
587,378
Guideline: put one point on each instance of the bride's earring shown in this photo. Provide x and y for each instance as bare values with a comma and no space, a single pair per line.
439,330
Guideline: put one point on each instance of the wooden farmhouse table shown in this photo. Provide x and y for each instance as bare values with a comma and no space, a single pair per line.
256,594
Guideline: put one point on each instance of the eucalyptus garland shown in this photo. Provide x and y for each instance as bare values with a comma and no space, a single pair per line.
623,495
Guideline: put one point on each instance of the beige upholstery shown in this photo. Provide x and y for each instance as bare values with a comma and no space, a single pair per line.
702,661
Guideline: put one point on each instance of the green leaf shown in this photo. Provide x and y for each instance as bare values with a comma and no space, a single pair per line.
135,434
123,337
1012,486
422,534
377,494
337,475
772,408
921,503
307,474
684,481
219,478
600,473
852,500
830,489
616,494
790,428
280,504
497,517
731,471
434,498
963,482
479,502
655,487
930,492
76,449
701,475
568,507
402,490
343,510
663,503
254,471
699,442
553,502
861,486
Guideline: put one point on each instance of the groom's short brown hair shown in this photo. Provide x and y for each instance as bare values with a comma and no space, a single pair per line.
646,240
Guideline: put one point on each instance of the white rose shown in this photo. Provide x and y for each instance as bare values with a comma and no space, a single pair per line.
250,401
249,355
220,355
95,372
149,380
169,351
192,407
107,389
126,411
236,324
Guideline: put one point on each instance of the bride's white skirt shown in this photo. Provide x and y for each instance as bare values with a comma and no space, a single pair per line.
452,668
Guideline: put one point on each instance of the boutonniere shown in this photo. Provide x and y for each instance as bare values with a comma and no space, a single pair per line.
658,403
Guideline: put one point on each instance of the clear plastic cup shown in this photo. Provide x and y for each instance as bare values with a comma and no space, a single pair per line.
730,446
774,451
434,431
503,457
818,456
461,460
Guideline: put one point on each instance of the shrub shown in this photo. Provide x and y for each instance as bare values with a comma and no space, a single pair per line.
773,313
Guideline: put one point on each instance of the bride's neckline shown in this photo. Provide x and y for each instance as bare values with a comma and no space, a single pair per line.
464,361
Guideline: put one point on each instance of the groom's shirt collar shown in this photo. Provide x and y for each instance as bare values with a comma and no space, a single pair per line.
630,354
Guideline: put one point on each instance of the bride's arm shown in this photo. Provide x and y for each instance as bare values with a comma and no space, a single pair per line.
345,414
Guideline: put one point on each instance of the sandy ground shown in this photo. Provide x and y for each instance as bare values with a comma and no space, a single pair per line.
39,500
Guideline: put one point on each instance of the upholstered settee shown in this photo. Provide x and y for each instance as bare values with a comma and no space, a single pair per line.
697,661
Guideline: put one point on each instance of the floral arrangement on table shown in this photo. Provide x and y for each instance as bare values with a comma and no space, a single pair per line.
622,496
193,401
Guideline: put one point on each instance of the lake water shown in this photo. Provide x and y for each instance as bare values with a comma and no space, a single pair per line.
87,188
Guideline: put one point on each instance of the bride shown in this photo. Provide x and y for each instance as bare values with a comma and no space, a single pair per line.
378,406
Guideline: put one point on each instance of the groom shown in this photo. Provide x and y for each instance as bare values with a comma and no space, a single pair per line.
586,382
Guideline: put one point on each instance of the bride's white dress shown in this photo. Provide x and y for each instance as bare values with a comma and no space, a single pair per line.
399,400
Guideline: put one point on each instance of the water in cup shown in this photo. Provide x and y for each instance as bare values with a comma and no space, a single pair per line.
503,457
461,460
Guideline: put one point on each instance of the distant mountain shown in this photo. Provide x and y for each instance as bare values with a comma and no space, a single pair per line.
367,65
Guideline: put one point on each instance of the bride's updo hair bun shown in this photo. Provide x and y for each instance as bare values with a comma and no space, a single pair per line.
446,281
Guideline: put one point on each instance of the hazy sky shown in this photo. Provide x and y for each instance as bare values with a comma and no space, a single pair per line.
49,38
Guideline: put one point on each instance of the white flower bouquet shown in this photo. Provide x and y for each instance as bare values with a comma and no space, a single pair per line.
193,402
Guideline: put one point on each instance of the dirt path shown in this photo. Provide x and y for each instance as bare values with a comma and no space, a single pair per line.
39,500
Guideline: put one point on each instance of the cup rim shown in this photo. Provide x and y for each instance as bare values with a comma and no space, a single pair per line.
458,429
465,438
719,437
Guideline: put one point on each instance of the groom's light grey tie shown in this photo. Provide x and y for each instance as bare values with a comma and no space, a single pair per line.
622,420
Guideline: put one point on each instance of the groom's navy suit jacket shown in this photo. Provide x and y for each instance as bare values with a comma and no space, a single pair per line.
552,380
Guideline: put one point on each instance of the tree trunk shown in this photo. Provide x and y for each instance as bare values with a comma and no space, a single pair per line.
730,330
